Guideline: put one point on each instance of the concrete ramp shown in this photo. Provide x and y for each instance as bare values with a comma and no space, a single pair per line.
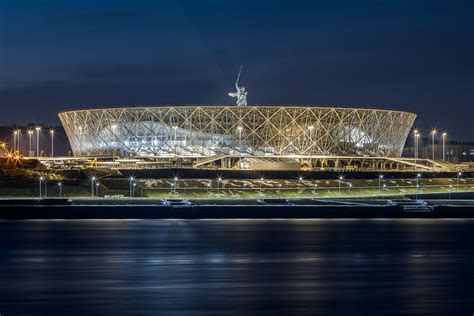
207,160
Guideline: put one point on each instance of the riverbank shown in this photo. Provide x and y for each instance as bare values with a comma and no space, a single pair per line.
237,209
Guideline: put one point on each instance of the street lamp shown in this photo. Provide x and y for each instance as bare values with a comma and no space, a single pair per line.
444,145
131,182
175,128
18,141
219,179
92,186
175,184
51,132
60,186
239,128
417,136
41,179
339,182
114,127
418,176
38,129
380,182
97,189
30,134
311,129
433,134
457,180
80,140
15,132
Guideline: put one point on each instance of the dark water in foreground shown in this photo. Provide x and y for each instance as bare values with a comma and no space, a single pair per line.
238,267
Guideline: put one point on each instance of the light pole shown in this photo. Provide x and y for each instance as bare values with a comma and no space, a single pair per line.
380,182
239,128
310,128
45,188
30,134
433,134
300,184
60,186
417,136
51,132
175,185
418,175
261,182
444,145
218,184
131,182
114,127
18,136
457,180
40,183
92,186
175,141
80,140
38,129
97,189
340,180
14,140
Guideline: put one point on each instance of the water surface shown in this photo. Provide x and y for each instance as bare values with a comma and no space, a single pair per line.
237,267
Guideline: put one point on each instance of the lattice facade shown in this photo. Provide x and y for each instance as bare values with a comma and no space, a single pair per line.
170,131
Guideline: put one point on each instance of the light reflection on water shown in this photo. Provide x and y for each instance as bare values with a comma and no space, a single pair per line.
181,267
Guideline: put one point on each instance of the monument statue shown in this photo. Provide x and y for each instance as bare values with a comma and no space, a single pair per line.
240,94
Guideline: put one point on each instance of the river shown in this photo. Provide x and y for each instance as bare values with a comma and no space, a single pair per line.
237,267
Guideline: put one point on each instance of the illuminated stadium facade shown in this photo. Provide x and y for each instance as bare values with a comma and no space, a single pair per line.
236,131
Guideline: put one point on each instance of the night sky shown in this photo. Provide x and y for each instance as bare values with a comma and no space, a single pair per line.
405,55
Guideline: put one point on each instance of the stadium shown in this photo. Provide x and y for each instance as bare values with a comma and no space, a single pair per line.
208,133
